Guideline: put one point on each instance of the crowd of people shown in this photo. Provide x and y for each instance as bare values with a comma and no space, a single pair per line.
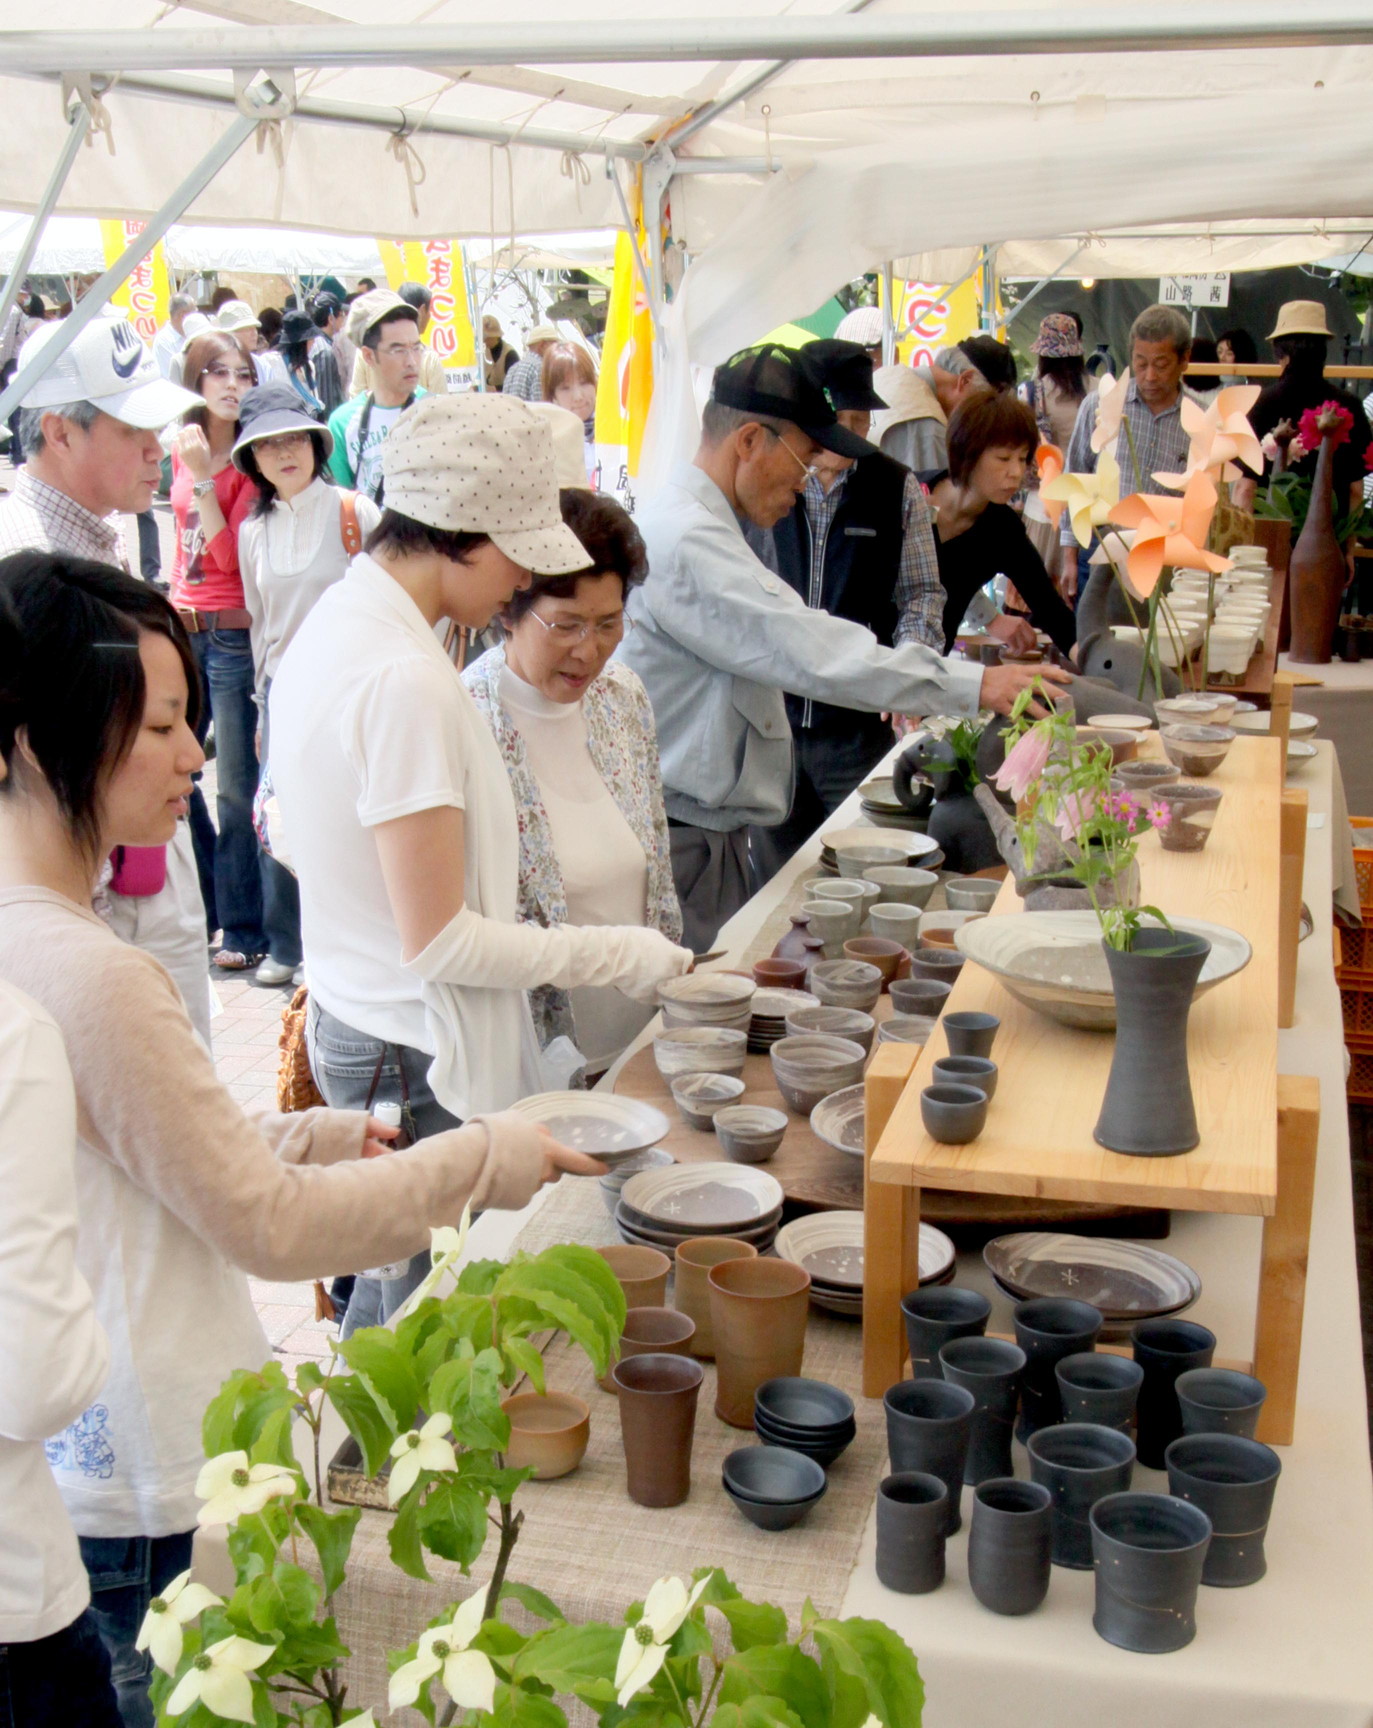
481,866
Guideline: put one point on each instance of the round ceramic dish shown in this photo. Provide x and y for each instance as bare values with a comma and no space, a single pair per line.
1299,753
1187,710
914,846
1301,726
606,1125
610,1185
1125,1280
854,860
1120,722
829,1245
760,1237
701,1199
1054,962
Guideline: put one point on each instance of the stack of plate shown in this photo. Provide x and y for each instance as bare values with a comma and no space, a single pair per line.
920,850
770,1010
606,1125
1127,1281
884,809
662,1208
708,999
829,1245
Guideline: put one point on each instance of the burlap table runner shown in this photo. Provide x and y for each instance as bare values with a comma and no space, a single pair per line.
587,1545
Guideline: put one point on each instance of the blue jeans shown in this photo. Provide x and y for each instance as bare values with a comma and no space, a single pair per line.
225,658
149,548
280,890
126,1572
344,1062
58,1680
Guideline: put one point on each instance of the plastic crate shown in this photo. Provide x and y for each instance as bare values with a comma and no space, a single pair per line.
1357,1003
1363,860
1359,1086
1356,953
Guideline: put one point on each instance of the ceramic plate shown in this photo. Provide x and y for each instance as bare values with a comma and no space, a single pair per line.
698,990
829,1245
1054,962
703,1197
606,1125
838,1120
1120,722
916,845
773,1004
1123,1279
633,1231
880,794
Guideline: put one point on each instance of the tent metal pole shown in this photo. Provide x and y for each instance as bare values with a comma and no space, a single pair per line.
888,316
1044,282
80,125
639,266
94,301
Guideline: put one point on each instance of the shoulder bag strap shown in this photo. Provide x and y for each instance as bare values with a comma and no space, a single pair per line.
348,525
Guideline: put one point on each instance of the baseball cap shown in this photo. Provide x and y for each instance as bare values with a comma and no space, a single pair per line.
1300,318
369,307
845,370
269,409
482,464
569,443
110,366
235,315
783,385
863,325
992,359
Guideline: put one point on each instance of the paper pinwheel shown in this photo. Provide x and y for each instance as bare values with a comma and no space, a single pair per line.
1169,530
1221,437
1090,499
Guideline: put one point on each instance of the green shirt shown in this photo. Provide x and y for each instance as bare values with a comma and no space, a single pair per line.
351,464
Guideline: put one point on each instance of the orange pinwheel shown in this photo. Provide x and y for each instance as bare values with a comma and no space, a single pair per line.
1169,530
1049,462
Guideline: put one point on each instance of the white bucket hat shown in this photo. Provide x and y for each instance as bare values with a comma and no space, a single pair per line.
235,315
569,443
482,464
863,325
908,396
110,366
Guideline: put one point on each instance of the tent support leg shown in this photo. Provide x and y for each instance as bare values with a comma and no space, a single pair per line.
76,136
93,302
888,316
1044,282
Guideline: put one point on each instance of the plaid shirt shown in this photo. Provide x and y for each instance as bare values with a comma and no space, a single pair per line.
525,379
37,517
1160,443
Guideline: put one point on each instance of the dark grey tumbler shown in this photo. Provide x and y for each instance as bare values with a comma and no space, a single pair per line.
1010,1544
1148,1551
1165,1349
1098,1388
1048,1328
912,1508
1220,1401
928,1423
990,1369
1233,1480
1079,1463
935,1316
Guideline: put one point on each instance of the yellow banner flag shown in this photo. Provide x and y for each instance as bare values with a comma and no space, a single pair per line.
625,388
146,293
438,265
929,318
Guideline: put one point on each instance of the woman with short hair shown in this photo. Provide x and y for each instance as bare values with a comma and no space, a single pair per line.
569,381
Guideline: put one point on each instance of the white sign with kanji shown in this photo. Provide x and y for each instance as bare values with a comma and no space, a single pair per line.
1195,290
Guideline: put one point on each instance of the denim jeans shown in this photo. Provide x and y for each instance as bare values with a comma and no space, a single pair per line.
149,548
280,890
225,658
126,1572
58,1680
344,1061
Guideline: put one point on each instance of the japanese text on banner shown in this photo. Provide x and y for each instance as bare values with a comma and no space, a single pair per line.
145,294
625,387
439,266
929,318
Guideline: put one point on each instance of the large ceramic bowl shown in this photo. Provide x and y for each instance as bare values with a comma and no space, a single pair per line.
1054,962
700,1050
901,883
809,1068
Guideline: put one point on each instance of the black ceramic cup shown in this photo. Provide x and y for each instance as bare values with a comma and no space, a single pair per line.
919,995
936,1315
990,1369
953,1115
928,1423
1233,1480
970,1033
1219,1401
940,964
979,1071
1009,1547
1079,1463
1148,1551
1165,1349
912,1509
1048,1328
1098,1388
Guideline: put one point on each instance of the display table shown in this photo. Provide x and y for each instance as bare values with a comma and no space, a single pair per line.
1342,701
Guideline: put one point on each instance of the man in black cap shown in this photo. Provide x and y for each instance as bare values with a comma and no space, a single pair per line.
859,543
718,637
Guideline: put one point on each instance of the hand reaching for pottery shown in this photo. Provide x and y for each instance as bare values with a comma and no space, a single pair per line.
560,1160
1002,684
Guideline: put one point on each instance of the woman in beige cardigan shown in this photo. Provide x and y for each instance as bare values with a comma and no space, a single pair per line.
180,1192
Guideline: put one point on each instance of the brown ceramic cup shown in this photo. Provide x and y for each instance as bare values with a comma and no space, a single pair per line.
658,1396
758,1315
876,951
690,1290
642,1273
780,974
648,1331
548,1433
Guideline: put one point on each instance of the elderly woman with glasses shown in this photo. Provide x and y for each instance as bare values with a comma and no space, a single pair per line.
576,732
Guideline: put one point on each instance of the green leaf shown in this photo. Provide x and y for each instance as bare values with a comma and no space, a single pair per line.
404,1538
759,1713
452,1521
253,1546
275,1443
265,1605
574,1289
332,1534
752,1623
577,1659
501,1641
308,1649
386,1371
369,1425
300,1593
522,1357
777,1671
309,1378
516,1708
880,1661
469,1391
237,1413
480,1277
534,1600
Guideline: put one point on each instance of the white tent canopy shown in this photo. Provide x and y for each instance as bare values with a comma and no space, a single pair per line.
72,246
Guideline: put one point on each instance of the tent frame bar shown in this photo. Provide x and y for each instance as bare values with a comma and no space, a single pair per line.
79,126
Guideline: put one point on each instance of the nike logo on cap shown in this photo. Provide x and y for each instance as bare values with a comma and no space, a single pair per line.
128,340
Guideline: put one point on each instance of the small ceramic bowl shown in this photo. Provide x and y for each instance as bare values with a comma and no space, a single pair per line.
700,1050
905,1029
1124,746
1143,777
1186,711
979,1071
1192,815
836,888
953,1115
772,1486
1300,726
876,951
971,1032
937,928
1119,722
845,983
925,996
699,1096
774,974
809,1069
548,1433
895,923
749,1133
854,860
1197,750
850,1023
937,963
903,884
970,893
706,998
834,922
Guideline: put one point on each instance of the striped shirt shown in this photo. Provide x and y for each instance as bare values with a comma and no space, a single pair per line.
1160,443
36,517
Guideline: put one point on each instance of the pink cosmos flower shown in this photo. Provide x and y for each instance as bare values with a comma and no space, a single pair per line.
1159,815
1024,763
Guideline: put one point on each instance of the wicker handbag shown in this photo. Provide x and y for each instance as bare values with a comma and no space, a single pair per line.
296,1089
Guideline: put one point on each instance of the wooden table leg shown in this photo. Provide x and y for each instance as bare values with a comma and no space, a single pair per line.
891,1228
1282,1267
1291,862
1280,705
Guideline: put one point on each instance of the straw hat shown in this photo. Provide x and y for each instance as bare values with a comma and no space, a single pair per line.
1301,318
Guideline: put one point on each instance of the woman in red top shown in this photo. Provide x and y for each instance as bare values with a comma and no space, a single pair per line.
210,497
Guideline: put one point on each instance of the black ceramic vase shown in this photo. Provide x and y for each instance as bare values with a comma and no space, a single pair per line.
1148,1109
1148,1551
990,1369
1165,1349
912,1508
928,1422
1009,1547
933,1316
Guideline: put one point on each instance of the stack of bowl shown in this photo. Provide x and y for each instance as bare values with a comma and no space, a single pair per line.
806,1416
700,1050
770,1011
809,1068
772,1486
708,999
663,1208
913,848
611,1184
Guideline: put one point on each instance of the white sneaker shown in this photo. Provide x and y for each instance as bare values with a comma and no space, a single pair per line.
272,974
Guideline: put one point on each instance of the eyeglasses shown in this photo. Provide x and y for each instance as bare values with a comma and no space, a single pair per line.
411,350
240,375
807,468
284,441
567,632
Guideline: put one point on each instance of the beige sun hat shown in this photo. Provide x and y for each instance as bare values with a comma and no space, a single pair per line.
235,315
367,308
569,443
1300,318
482,464
863,325
908,396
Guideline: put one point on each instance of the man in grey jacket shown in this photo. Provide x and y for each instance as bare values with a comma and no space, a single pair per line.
718,638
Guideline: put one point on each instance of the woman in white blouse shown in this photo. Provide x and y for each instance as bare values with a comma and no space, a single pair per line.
297,542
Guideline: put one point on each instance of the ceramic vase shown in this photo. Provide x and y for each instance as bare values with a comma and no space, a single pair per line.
1079,1463
1317,571
690,1289
1148,1109
935,1316
1009,1547
1148,1551
1048,1328
1233,1480
758,1312
928,1424
912,1508
990,1369
798,943
657,1421
1165,1349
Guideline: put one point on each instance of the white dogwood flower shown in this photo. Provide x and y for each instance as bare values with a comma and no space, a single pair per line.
218,1679
420,1449
466,1675
446,1247
231,1487
645,1645
161,1634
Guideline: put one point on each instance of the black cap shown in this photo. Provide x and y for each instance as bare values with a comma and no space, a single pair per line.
993,360
845,371
774,381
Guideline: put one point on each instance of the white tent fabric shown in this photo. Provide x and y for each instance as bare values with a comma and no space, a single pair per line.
71,246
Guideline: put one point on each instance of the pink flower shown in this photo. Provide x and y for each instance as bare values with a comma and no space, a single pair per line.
1159,815
1269,446
1074,813
1024,763
1329,420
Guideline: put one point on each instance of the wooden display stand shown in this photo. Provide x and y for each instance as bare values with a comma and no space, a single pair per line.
1258,1133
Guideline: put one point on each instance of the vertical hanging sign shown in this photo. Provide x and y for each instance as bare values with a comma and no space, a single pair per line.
145,294
439,266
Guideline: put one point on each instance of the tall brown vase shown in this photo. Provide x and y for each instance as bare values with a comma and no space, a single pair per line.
1318,571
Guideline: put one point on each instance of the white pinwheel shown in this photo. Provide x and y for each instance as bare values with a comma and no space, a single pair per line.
421,1449
446,1247
1110,409
645,1645
1221,437
466,1675
161,1634
218,1679
231,1487
1088,498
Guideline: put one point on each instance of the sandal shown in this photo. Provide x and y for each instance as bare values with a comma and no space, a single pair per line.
230,960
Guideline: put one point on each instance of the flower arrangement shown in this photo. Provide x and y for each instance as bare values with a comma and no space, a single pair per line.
1287,496
270,1654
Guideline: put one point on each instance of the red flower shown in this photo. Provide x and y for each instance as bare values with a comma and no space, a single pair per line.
1368,458
1327,420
